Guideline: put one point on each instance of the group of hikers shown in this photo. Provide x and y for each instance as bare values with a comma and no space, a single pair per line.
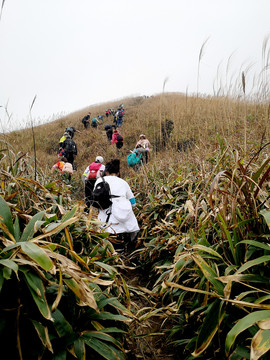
103,187
95,121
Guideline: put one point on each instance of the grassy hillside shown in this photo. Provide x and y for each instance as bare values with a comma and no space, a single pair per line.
196,122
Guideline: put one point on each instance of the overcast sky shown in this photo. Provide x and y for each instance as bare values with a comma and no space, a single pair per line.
74,53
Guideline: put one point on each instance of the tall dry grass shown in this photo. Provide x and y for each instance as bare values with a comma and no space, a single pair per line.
195,118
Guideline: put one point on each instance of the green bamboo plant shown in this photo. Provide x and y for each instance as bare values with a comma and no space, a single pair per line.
55,303
209,246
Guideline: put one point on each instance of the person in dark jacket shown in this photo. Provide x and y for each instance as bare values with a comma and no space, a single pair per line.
109,131
70,149
86,120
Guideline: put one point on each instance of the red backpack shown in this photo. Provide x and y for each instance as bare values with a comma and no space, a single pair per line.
93,169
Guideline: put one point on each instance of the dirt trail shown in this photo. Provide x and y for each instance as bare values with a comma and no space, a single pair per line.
140,343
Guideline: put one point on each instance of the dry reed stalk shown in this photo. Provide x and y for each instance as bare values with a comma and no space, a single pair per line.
245,112
33,135
3,3
201,53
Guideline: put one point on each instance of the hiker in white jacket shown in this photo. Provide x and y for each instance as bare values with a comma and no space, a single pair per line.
119,218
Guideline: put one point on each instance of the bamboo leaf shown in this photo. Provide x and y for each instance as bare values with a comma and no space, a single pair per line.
10,264
266,214
82,291
111,270
244,324
56,229
171,284
215,315
251,263
79,349
43,334
31,227
5,215
62,326
260,344
113,302
37,254
256,244
70,214
108,351
100,335
208,250
209,273
108,316
37,290
17,232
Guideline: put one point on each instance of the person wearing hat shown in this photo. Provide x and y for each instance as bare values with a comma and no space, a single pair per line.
89,177
144,143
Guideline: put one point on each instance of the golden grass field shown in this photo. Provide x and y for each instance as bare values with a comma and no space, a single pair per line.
245,125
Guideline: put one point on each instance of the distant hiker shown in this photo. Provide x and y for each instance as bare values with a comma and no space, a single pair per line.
70,149
137,157
100,119
59,166
144,143
64,167
71,131
117,139
61,141
114,113
86,120
67,169
109,131
144,152
94,122
117,215
108,112
89,177
119,117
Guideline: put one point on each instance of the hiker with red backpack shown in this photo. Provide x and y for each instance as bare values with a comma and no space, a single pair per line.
90,175
117,139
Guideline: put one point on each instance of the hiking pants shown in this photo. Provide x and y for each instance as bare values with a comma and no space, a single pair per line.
88,190
119,122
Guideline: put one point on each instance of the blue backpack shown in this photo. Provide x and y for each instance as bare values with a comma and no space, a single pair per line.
134,158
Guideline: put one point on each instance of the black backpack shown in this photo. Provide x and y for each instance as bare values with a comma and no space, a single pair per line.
107,127
69,146
70,130
101,195
85,118
119,138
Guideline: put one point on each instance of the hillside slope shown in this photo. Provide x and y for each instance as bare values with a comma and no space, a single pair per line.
196,123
